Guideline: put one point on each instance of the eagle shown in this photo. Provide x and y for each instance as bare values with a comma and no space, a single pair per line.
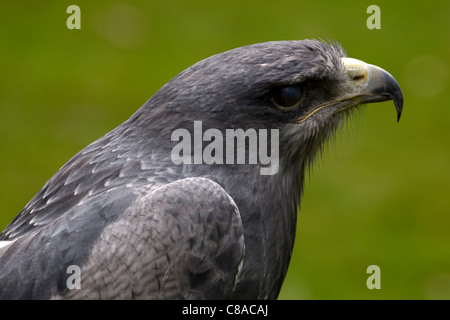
196,195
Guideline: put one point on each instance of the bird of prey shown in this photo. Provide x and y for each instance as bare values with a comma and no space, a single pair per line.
139,215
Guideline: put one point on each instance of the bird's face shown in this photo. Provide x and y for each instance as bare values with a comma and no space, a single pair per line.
303,88
281,82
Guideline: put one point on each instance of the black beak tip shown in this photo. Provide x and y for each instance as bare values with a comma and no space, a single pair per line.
398,101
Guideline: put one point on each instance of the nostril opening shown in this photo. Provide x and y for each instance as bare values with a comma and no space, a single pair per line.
357,78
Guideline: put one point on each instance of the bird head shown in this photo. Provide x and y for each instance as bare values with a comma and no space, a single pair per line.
303,88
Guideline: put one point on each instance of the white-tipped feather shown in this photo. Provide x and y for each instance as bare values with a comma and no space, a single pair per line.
5,243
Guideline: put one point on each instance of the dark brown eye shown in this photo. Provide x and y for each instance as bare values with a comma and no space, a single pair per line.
287,97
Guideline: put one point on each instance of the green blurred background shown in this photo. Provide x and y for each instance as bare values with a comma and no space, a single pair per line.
378,194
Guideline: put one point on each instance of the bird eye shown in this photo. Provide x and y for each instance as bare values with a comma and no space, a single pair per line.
287,97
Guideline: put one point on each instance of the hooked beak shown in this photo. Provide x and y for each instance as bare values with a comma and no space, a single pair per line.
373,84
364,83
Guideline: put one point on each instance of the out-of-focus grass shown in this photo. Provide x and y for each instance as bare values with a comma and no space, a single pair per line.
378,195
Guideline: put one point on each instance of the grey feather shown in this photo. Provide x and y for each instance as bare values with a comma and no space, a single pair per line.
187,236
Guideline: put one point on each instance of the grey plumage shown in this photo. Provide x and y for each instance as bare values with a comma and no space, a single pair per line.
140,226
